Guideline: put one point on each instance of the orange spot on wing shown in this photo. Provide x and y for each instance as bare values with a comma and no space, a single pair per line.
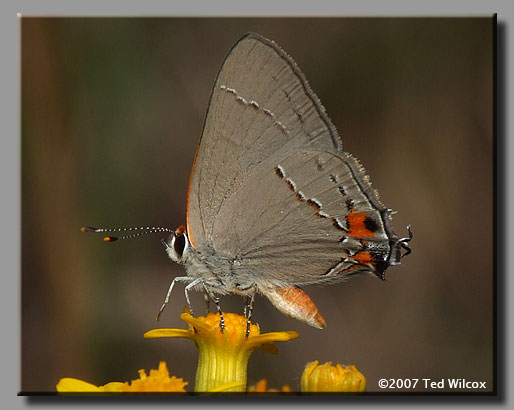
363,257
356,225
351,268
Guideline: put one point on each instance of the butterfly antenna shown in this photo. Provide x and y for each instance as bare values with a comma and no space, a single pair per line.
143,231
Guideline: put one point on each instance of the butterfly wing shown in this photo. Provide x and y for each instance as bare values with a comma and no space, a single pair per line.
273,191
314,218
260,104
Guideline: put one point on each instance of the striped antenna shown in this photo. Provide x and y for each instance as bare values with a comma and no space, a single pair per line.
144,230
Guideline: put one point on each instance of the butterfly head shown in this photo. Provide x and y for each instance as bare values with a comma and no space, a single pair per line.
178,245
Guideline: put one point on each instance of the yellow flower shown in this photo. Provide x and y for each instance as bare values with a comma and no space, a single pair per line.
223,357
328,378
158,381
262,387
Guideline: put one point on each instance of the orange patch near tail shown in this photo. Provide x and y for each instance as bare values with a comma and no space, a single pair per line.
363,257
350,269
357,226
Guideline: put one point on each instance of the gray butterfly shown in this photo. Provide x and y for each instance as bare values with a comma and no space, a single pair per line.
274,204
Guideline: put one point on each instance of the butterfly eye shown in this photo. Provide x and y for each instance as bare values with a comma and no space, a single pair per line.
179,244
168,243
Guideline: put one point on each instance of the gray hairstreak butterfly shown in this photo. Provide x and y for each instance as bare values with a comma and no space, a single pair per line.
274,204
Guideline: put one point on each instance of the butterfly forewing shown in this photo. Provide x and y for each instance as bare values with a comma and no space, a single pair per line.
261,104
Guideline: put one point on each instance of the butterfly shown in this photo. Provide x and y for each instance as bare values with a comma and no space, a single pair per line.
274,203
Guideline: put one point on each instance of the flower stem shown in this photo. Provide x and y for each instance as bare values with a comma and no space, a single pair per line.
218,366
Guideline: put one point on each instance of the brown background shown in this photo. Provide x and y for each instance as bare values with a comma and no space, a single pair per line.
112,110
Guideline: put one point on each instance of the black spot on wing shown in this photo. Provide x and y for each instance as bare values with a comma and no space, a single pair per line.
370,224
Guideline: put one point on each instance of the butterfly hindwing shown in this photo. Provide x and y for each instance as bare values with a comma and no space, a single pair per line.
304,218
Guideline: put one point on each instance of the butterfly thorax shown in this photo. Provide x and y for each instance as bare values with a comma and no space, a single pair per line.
222,274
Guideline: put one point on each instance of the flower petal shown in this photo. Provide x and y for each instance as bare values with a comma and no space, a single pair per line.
168,333
196,323
69,385
272,337
113,387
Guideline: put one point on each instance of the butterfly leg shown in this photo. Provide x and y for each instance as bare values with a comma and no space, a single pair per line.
246,302
186,293
216,301
249,309
167,299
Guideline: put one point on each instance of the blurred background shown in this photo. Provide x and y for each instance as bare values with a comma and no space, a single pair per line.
112,110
